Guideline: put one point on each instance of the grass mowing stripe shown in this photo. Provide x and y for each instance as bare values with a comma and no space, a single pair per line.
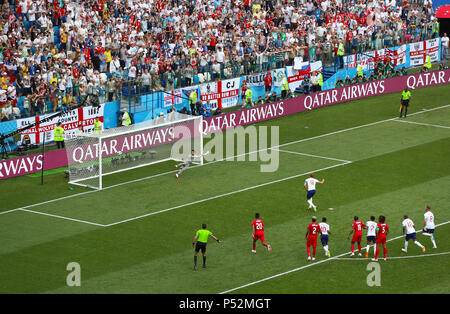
312,264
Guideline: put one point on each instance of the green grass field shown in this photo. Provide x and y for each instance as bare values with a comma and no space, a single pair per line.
135,235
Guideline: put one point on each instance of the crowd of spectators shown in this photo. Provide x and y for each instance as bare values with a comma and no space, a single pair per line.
54,53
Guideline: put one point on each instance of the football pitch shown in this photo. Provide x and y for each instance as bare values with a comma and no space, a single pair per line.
135,235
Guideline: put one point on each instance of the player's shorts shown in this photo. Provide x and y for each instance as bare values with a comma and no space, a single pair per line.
381,240
267,88
311,241
357,237
259,236
405,103
428,231
410,236
372,239
310,194
324,239
200,246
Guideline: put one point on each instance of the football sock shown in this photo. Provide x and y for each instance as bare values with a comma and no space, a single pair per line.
326,248
310,202
385,252
254,246
308,251
367,248
377,251
374,248
406,111
359,248
426,234
314,251
406,245
195,260
204,260
353,248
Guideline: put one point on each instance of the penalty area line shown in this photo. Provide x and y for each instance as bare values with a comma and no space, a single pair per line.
213,162
424,124
311,155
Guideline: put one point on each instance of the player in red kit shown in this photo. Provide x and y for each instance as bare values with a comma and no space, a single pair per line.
258,233
357,228
382,232
311,237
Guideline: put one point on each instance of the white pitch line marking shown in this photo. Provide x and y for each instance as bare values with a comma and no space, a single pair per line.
311,155
389,258
424,124
169,172
62,217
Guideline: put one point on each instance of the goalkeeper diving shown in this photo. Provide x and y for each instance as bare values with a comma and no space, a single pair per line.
185,164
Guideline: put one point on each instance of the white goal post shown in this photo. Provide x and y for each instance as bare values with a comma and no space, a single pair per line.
172,137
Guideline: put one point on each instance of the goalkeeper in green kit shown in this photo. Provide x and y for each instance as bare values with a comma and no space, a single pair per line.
200,239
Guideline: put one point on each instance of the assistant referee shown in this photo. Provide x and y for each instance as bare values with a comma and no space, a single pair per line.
406,96
201,237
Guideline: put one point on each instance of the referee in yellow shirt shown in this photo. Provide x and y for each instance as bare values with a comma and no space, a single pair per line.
201,237
405,98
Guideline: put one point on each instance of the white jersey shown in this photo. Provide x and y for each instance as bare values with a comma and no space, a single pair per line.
429,219
371,228
311,182
324,228
409,225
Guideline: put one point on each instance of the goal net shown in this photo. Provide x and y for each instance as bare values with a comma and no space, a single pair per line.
171,137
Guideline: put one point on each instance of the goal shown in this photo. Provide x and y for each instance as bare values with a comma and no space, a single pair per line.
172,137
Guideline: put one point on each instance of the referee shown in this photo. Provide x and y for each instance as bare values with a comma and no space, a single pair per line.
201,237
406,96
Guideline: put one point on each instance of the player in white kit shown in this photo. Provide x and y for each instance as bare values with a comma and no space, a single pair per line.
409,228
371,235
310,187
325,231
428,226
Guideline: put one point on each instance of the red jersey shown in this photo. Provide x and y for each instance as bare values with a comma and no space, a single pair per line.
382,230
313,230
358,227
258,226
